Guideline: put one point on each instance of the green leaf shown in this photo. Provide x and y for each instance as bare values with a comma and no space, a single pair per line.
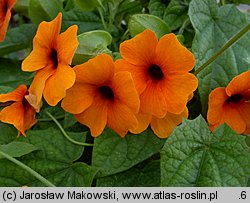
22,6
17,39
87,5
113,154
240,1
248,140
69,120
17,149
86,21
214,27
91,44
5,89
139,22
138,176
44,10
174,14
157,8
11,74
195,157
7,133
55,160
126,8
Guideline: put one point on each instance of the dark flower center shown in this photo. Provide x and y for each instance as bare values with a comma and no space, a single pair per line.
155,72
8,103
234,98
25,102
106,92
54,58
3,7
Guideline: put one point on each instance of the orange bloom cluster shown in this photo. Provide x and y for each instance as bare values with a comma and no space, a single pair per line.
150,85
104,92
5,14
231,105
102,95
17,110
52,53
160,72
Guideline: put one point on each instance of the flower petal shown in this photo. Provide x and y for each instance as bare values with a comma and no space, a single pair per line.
29,117
233,118
121,118
172,56
14,114
163,127
47,33
220,112
216,101
239,84
95,117
97,71
140,50
32,100
16,95
67,44
143,122
124,89
153,101
178,89
11,3
37,59
78,98
38,83
244,110
4,25
137,72
58,83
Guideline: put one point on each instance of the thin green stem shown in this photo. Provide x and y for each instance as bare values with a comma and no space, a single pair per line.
100,3
184,25
116,49
226,46
106,27
102,19
50,119
64,132
125,35
27,168
223,2
110,14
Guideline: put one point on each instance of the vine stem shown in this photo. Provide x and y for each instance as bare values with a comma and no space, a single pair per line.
27,168
226,46
49,119
100,10
64,132
102,19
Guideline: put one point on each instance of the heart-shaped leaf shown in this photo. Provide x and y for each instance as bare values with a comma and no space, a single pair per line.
55,160
193,156
139,22
214,26
113,154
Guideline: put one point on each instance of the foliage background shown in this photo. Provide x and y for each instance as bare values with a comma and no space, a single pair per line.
192,156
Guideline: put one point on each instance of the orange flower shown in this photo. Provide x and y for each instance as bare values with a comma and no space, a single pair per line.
17,110
162,127
101,96
160,73
5,14
52,53
231,105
